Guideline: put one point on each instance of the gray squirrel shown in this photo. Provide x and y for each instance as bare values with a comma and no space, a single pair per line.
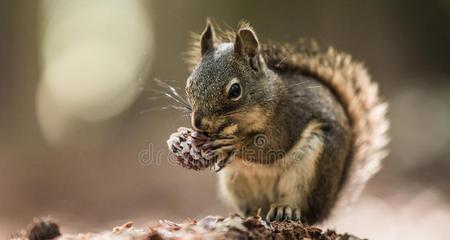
308,128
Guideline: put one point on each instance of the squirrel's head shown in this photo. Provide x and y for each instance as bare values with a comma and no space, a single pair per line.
230,86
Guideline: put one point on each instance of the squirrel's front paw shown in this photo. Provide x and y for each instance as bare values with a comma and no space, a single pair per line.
221,150
280,212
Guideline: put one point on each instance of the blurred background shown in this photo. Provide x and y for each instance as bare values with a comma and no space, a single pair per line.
83,124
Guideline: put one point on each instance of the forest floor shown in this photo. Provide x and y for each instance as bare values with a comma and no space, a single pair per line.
210,227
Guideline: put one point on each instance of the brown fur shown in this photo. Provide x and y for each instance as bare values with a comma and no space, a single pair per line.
351,84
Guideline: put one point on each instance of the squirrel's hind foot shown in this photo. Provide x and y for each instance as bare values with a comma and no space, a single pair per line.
280,212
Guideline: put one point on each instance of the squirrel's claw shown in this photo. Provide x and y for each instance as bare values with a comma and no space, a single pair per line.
283,213
222,151
217,143
223,161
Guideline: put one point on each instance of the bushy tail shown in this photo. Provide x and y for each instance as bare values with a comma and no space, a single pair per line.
351,83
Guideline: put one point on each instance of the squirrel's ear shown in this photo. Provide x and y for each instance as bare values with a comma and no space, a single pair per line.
246,43
207,38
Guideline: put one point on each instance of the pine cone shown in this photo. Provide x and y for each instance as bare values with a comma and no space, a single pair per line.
188,147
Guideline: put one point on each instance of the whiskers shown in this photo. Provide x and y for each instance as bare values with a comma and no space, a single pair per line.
281,62
171,92
304,82
166,108
300,83
166,89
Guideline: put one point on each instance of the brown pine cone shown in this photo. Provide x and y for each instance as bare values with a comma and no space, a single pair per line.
188,147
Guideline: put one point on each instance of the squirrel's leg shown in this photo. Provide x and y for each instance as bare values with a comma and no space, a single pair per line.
247,187
297,175
313,170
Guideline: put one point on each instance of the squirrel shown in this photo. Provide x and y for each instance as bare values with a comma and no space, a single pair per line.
308,126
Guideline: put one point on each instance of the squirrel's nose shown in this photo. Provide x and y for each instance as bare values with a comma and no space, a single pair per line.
196,121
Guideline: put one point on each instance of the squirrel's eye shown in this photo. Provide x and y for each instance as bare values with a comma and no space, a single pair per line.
235,91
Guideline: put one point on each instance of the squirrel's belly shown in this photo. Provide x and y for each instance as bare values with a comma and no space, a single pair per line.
249,186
